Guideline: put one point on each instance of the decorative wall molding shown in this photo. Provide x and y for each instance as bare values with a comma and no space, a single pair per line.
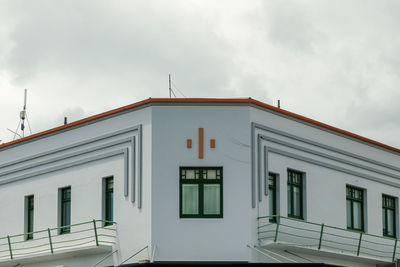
89,150
261,162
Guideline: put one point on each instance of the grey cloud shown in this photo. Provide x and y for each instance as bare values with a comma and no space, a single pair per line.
289,25
102,40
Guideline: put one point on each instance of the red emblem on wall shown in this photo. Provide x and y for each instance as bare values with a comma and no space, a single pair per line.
201,143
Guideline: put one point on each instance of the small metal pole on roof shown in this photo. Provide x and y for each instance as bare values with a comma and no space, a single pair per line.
65,120
170,90
279,103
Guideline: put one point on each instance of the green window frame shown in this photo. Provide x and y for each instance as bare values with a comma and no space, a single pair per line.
295,194
272,196
200,192
65,203
108,200
30,208
355,208
389,216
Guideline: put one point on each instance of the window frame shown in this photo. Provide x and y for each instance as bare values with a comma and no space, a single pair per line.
62,201
273,188
201,182
384,213
352,200
106,191
291,185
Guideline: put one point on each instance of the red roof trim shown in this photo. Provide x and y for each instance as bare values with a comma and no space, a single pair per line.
201,100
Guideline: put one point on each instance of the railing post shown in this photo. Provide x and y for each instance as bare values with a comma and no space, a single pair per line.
359,244
51,244
95,232
277,229
9,246
320,237
394,250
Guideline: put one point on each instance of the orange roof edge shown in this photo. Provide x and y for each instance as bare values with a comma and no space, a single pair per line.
201,100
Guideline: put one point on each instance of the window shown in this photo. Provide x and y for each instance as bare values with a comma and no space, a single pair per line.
65,203
272,196
108,200
201,192
354,208
295,194
29,211
389,216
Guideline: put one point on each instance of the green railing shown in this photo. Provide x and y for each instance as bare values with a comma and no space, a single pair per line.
55,240
324,237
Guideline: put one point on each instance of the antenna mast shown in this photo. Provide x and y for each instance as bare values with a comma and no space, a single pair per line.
170,89
22,115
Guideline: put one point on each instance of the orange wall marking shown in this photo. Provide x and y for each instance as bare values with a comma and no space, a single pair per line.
189,143
201,143
212,143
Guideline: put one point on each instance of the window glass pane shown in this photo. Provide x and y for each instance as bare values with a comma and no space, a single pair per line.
190,174
390,221
348,212
109,200
109,206
358,194
384,221
30,214
271,201
110,184
271,181
67,214
348,192
211,199
290,209
357,215
211,174
296,201
65,209
190,199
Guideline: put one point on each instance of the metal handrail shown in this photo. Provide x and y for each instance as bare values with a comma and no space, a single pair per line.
52,241
322,236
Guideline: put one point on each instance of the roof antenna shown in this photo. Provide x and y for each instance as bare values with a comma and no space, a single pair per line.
171,92
22,115
170,89
279,103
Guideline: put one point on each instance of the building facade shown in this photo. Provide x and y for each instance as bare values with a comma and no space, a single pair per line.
166,180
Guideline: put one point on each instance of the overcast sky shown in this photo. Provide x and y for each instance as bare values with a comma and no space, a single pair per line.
334,61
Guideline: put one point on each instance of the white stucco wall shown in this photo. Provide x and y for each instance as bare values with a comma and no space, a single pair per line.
222,239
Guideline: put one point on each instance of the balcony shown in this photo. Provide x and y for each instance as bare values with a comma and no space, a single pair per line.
90,237
322,239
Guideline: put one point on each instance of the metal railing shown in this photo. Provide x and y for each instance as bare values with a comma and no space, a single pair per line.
328,238
57,240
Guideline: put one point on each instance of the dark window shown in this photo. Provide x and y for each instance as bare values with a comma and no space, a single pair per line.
200,192
109,200
295,194
29,216
389,216
354,208
65,210
272,196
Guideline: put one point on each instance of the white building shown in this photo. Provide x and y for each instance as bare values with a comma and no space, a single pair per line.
195,180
